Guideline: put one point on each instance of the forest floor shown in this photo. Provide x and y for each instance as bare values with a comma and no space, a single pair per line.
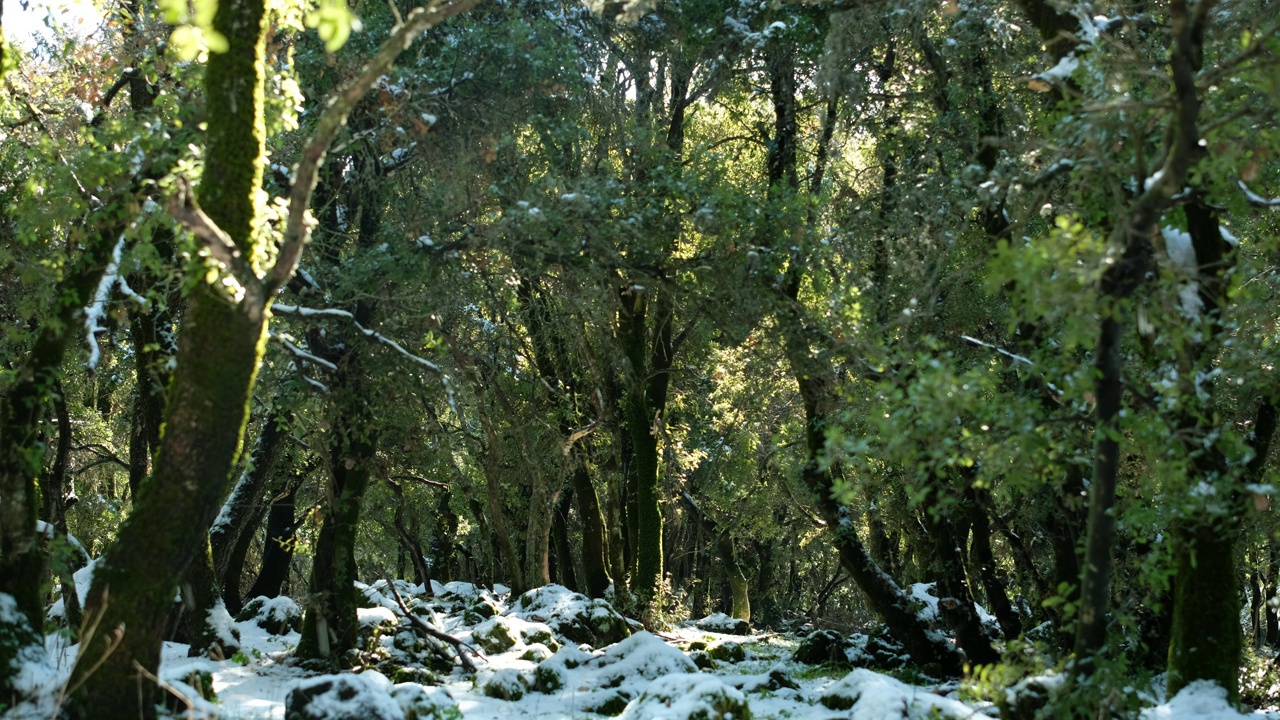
535,658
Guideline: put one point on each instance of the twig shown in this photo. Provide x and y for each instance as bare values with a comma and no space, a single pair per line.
417,622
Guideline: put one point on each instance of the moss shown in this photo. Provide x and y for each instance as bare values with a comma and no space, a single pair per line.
727,652
1205,642
611,705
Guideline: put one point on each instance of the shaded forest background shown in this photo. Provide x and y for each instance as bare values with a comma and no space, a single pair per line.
764,308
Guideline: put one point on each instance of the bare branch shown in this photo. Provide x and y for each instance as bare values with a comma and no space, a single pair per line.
467,664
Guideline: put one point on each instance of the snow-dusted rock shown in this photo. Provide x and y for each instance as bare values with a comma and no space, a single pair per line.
500,634
278,615
366,696
688,697
867,694
730,652
822,646
1202,700
572,615
505,684
424,703
721,623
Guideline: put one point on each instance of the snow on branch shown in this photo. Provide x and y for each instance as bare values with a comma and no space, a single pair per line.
374,334
282,309
1002,351
1257,200
97,310
302,354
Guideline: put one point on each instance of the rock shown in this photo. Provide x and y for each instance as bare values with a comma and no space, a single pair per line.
727,652
702,659
505,684
879,652
688,697
872,695
572,615
366,696
823,646
422,703
278,615
552,673
537,652
1025,699
721,623
500,634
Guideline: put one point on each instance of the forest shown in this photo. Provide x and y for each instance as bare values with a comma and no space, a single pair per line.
663,359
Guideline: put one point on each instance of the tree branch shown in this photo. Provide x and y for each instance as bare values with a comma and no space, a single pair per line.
185,210
298,229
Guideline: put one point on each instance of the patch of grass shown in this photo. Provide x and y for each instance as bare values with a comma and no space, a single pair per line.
825,670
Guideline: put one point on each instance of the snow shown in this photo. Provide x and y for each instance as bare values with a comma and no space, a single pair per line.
1202,700
685,696
923,592
1062,71
97,309
1177,243
643,677
866,694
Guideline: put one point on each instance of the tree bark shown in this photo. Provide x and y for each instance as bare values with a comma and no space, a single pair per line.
218,354
277,549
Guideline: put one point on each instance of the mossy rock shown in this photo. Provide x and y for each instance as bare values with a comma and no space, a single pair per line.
697,645
1025,699
419,675
823,646
723,624
689,697
494,637
278,615
730,652
343,697
778,679
548,679
537,652
702,659
610,704
505,684
574,616
419,703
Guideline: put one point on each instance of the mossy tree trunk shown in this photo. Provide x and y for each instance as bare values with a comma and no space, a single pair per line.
330,628
277,548
649,351
219,350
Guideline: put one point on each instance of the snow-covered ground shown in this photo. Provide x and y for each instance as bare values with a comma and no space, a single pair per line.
547,655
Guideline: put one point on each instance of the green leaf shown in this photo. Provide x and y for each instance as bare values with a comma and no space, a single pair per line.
334,22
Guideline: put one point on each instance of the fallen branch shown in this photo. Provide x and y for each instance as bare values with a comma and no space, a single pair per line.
418,623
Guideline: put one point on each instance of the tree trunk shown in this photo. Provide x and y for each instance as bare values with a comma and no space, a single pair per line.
1205,643
277,549
21,410
993,588
53,489
330,628
218,355
955,600
243,511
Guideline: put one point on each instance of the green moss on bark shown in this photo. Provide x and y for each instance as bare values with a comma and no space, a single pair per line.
219,350
1206,638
